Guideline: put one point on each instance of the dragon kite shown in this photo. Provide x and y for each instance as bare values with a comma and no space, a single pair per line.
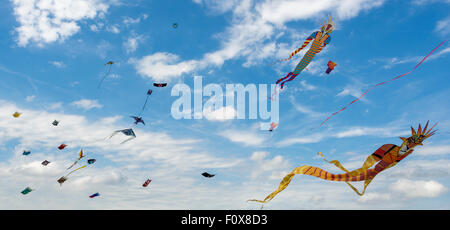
386,156
320,39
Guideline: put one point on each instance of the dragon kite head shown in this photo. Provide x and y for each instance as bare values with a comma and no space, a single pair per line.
417,137
327,26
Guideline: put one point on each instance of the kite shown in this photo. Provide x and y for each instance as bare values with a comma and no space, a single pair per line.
273,126
149,92
45,163
81,155
62,146
26,152
320,39
160,85
386,156
126,132
147,182
331,66
16,114
94,195
175,25
55,123
137,120
110,63
91,161
79,158
26,190
205,174
64,178
382,83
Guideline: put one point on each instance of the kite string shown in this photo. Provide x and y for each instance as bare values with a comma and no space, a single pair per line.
109,69
382,83
143,107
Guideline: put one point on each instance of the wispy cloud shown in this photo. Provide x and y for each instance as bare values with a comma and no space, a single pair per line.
87,104
130,21
420,188
356,131
43,22
113,29
434,150
304,109
132,43
442,26
245,137
58,64
275,166
30,98
222,114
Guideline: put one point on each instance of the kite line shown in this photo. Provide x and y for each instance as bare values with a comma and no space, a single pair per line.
382,83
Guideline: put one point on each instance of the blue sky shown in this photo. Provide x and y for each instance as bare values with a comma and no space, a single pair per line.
53,56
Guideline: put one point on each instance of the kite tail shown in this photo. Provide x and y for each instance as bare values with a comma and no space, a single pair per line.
294,53
104,76
291,76
127,140
75,170
319,173
381,83
306,170
72,165
114,133
143,107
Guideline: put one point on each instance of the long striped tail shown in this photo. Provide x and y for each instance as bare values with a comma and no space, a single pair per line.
291,76
313,171
295,52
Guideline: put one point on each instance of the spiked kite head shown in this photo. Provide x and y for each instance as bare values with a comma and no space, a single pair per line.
417,137
327,26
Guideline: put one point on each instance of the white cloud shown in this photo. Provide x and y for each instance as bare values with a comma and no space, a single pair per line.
263,165
56,105
47,21
221,114
30,98
162,66
282,11
374,197
245,137
354,90
113,29
434,150
307,86
132,43
423,2
440,53
442,26
391,62
302,140
371,131
396,61
87,104
58,64
304,109
96,27
356,131
129,21
412,189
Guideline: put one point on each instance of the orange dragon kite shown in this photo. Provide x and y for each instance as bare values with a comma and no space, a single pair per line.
387,156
